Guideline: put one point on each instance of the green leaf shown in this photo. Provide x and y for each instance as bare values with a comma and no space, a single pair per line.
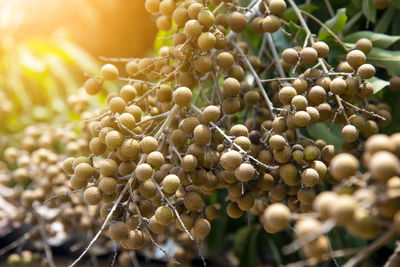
378,84
331,134
297,31
378,39
387,59
385,21
352,22
336,24
369,10
241,237
247,240
291,15
395,3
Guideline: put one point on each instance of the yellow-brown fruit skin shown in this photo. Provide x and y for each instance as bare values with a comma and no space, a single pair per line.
343,166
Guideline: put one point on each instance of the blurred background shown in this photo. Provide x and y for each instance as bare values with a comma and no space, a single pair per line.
46,47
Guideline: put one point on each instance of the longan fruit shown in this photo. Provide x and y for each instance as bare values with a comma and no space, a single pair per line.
143,171
14,260
239,130
202,64
118,231
317,248
394,84
314,114
338,86
67,165
317,94
202,134
155,159
206,41
366,71
256,25
233,210
164,93
83,171
306,227
277,142
178,138
163,23
290,56
364,45
271,23
93,86
189,163
301,118
310,177
182,96
243,142
225,60
170,183
231,105
343,166
344,208
350,133
300,85
187,221
286,94
77,183
289,174
230,160
92,196
194,10
109,72
277,216
222,20
356,58
108,185
384,165
277,7
192,201
283,155
231,87
378,142
180,16
114,139
237,21
117,105
148,144
135,240
299,102
167,7
322,49
212,113
308,55
201,228
206,17
130,148
193,28
148,189
164,215
152,6
323,202
244,172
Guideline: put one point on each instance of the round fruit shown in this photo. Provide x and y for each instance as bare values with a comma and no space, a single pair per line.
286,94
182,96
93,86
118,231
356,58
244,172
170,183
237,21
201,228
271,23
109,72
308,55
366,71
364,45
343,166
322,49
230,160
384,165
277,7
277,216
92,196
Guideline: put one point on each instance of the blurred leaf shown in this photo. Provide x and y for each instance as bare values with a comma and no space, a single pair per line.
378,84
348,27
297,31
323,131
385,21
241,237
80,57
378,39
246,239
291,15
369,10
336,24
385,58
395,3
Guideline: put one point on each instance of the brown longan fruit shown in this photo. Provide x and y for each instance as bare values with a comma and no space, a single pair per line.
277,7
290,56
230,160
239,130
67,165
231,105
75,183
300,85
92,196
135,240
356,58
384,165
286,94
378,142
233,210
202,64
277,142
178,138
143,171
193,28
117,105
343,166
314,114
301,118
164,93
338,86
237,21
148,144
322,49
163,23
222,20
310,177
323,202
164,215
381,4
114,139
206,17
170,183
231,87
394,84
271,23
244,172
93,86
182,96
83,171
194,9
188,124
364,45
211,113
130,148
187,221
109,72
277,216
243,142
189,163
225,60
299,102
192,201
366,71
148,189
167,7
283,155
317,94
201,228
289,174
251,98
152,6
202,134
350,133
118,231
108,185
180,16
256,25
308,55
344,208
156,227
155,159
306,227
206,41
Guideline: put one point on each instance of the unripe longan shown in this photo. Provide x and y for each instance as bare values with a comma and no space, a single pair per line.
182,96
